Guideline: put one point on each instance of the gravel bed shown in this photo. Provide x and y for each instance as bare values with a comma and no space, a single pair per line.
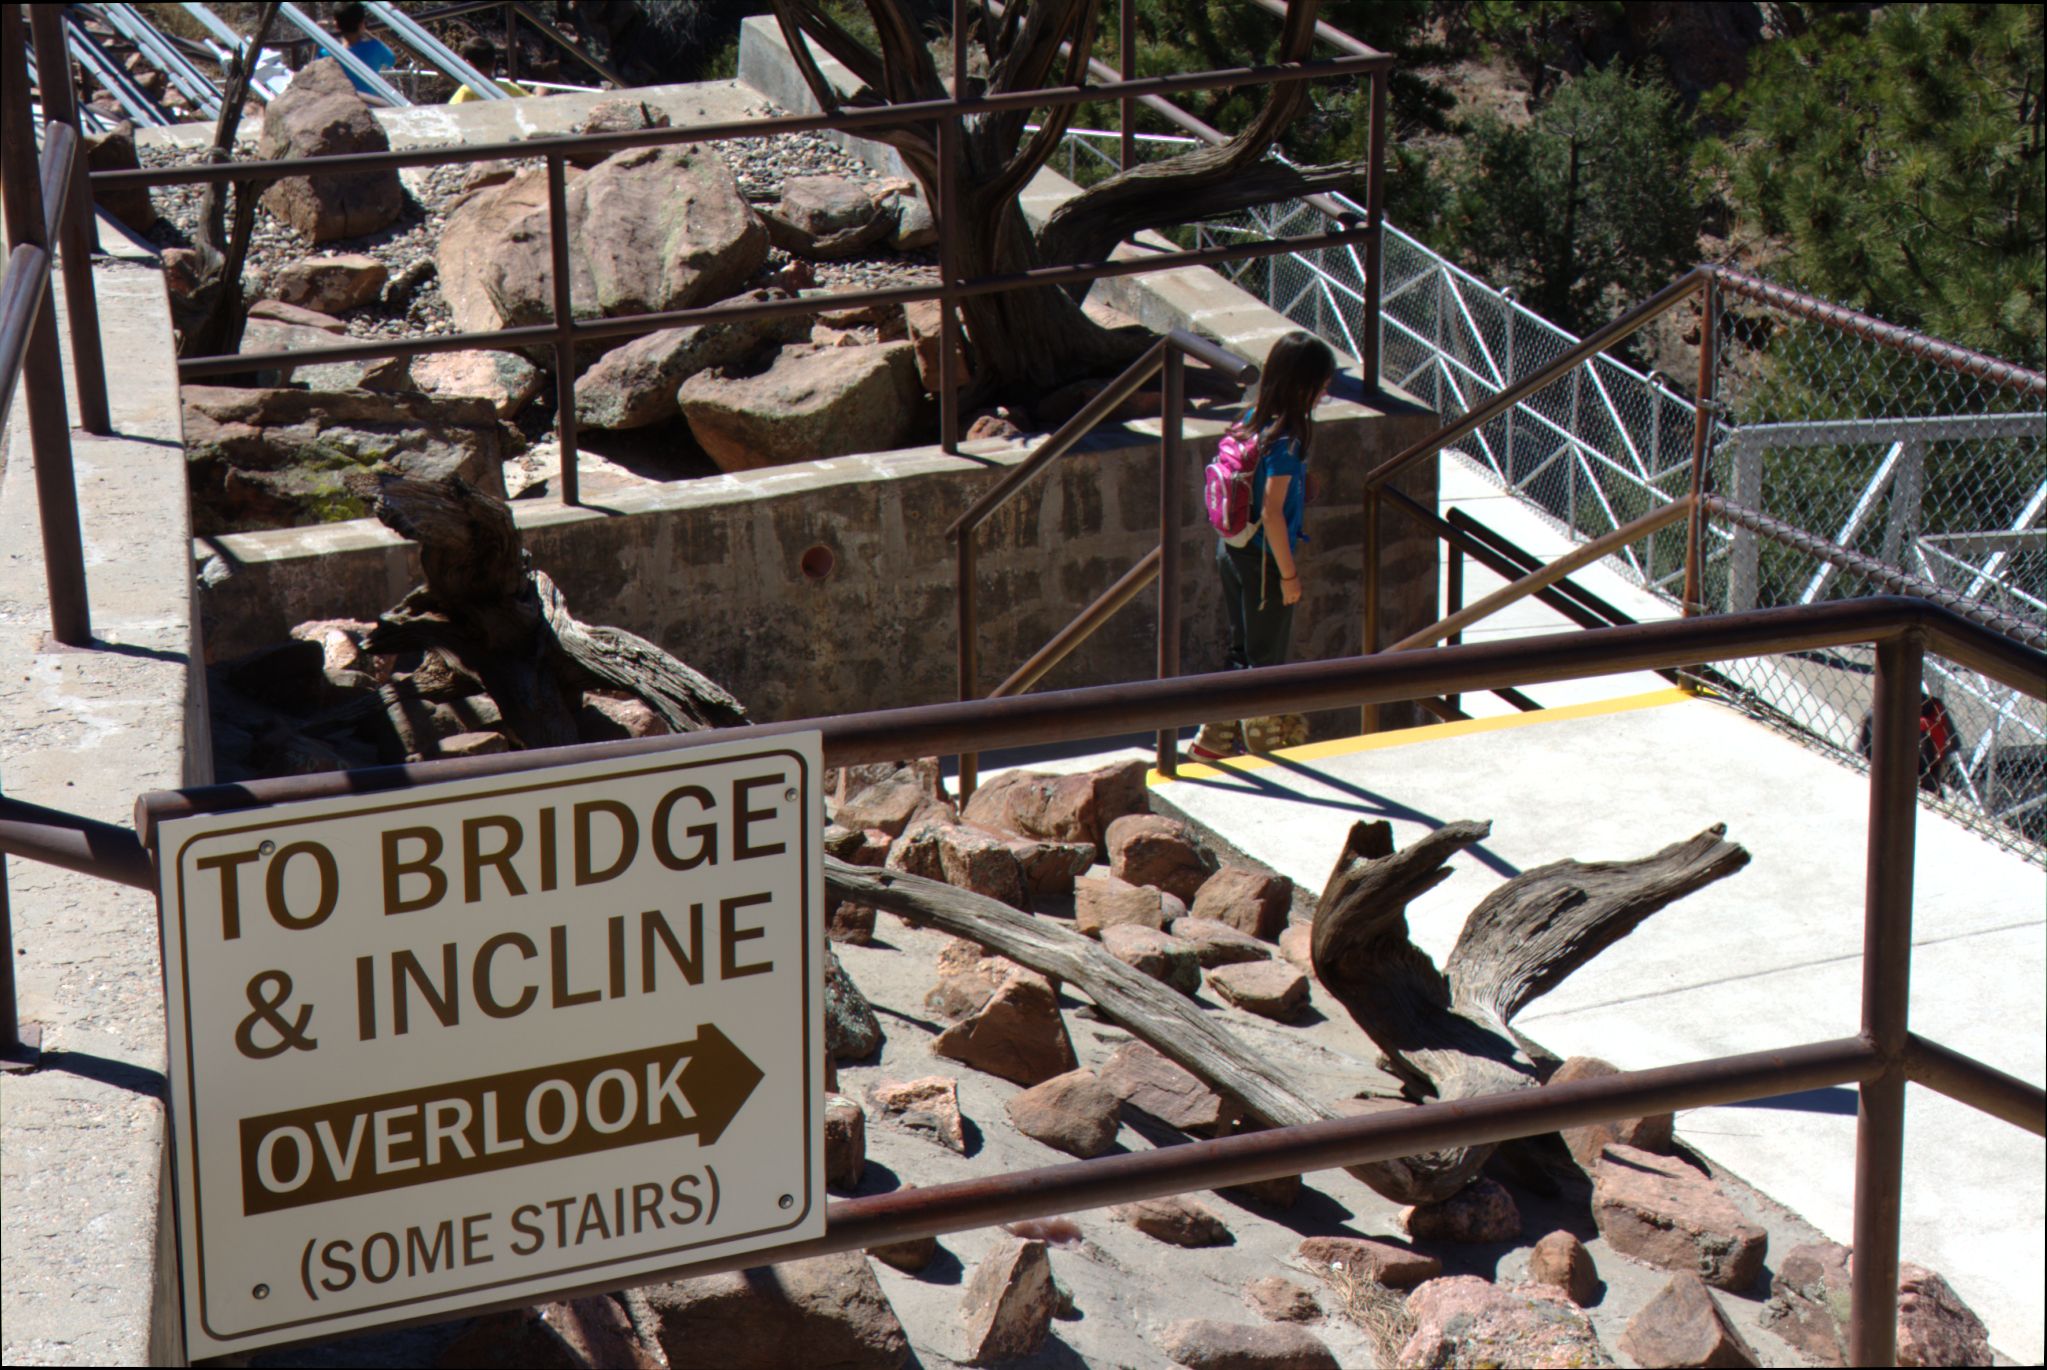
760,165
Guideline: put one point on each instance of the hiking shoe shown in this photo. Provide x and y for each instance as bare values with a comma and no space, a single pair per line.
1216,742
1274,731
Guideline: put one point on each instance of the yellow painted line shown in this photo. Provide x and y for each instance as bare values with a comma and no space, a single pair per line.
1407,737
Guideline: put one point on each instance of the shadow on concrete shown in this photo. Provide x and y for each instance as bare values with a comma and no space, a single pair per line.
107,1071
1370,803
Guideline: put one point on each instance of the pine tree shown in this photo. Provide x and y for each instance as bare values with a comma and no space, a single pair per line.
1901,155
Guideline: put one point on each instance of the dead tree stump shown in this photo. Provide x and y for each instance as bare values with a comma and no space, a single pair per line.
1447,1034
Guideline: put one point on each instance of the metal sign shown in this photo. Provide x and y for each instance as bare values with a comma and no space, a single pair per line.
462,1045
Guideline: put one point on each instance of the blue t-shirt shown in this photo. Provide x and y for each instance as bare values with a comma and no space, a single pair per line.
1282,458
372,53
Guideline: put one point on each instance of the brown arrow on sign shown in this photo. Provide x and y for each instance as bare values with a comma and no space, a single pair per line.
600,1103
718,1081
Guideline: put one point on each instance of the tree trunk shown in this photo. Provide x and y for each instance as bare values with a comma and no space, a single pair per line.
1029,342
491,617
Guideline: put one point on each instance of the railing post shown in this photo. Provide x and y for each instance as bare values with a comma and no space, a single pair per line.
1375,246
20,1048
88,370
1709,326
49,428
963,602
1886,982
1507,365
1126,55
1171,414
948,314
564,327
1368,716
1453,595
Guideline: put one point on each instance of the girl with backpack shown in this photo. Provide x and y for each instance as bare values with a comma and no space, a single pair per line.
1257,561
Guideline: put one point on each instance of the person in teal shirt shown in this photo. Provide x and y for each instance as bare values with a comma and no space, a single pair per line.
352,26
1262,580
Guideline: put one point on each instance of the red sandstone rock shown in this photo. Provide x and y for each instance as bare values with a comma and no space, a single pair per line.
982,863
1482,1211
1661,1211
1204,1344
1217,943
1653,1133
1074,1112
845,1142
1150,849
893,804
1561,1261
1160,955
1466,1321
930,1106
967,979
1100,903
1017,1034
1254,902
1175,1219
1281,1300
827,1311
1399,1267
1684,1326
1809,1300
1060,808
1266,988
1295,944
1934,1326
1008,1303
1150,1083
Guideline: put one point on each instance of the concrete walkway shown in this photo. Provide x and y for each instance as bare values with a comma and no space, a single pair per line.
1769,957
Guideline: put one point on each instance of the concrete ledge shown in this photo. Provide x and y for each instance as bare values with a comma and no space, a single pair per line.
88,1277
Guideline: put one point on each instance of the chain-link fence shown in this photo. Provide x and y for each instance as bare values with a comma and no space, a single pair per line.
1923,470
1885,450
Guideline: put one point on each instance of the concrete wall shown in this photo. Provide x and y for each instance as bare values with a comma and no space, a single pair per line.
710,569
89,1277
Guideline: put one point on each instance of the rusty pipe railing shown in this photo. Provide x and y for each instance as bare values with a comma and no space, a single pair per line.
1168,356
1626,326
1878,1060
1543,577
563,330
28,329
74,230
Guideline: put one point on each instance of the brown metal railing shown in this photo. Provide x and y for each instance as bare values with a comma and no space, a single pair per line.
48,212
564,330
1167,355
1706,282
1879,1059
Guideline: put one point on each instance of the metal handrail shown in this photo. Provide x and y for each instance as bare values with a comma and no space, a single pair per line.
1162,562
1879,1059
564,331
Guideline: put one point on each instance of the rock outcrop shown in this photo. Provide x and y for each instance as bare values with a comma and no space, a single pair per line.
278,458
320,114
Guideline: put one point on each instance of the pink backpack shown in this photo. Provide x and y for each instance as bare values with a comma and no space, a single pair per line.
1227,484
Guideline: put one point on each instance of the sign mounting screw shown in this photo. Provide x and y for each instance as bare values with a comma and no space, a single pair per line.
786,1201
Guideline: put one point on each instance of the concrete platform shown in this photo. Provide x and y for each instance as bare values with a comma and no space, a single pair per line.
1769,957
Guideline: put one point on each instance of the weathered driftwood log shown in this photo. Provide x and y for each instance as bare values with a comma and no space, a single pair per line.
1447,1033
1157,1015
493,620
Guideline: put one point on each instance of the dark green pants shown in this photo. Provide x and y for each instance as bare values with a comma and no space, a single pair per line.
1260,623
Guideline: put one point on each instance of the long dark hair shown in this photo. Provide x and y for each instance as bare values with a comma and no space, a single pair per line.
1299,365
